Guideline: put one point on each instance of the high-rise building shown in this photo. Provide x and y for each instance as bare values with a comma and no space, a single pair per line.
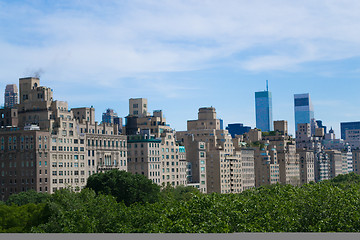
304,111
138,107
11,96
49,147
263,104
287,157
217,165
109,115
147,135
348,126
320,125
237,129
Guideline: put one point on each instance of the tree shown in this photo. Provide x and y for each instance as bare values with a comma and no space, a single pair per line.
179,193
30,196
84,212
124,186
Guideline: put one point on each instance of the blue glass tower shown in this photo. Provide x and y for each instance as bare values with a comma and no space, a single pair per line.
263,104
304,111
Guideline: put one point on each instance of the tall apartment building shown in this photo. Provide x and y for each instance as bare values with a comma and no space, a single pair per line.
356,161
139,119
216,164
352,137
338,164
306,140
169,164
109,115
306,165
70,145
263,106
304,111
196,159
267,169
287,158
347,153
173,160
144,157
10,96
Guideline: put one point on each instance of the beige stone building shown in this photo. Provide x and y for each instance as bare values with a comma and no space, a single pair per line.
306,165
337,163
196,158
173,161
287,157
222,164
144,157
71,145
266,165
356,161
142,127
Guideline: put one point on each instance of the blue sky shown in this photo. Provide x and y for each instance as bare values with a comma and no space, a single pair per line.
187,54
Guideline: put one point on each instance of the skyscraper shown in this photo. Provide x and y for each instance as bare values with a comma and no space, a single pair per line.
263,104
109,115
304,111
11,96
348,126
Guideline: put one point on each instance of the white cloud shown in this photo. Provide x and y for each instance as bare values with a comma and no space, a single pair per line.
88,40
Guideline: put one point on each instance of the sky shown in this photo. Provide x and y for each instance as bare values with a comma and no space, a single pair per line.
186,54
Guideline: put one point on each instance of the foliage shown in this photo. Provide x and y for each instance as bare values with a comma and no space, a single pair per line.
83,212
30,196
270,133
329,206
124,186
178,193
20,219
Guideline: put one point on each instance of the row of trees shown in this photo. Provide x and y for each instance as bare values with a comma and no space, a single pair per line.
106,206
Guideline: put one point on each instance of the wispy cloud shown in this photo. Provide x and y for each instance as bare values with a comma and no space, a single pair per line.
110,44
152,36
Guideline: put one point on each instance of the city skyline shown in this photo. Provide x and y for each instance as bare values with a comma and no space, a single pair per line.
186,55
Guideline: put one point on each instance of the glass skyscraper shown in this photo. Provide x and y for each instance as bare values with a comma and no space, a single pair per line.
304,111
263,104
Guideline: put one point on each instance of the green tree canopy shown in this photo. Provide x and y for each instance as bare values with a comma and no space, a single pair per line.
179,192
30,196
124,186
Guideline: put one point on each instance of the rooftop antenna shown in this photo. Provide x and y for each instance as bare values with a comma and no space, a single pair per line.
267,85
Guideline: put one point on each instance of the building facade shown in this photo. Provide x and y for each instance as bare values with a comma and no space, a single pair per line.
148,135
66,147
348,126
304,111
237,129
263,106
10,96
217,164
